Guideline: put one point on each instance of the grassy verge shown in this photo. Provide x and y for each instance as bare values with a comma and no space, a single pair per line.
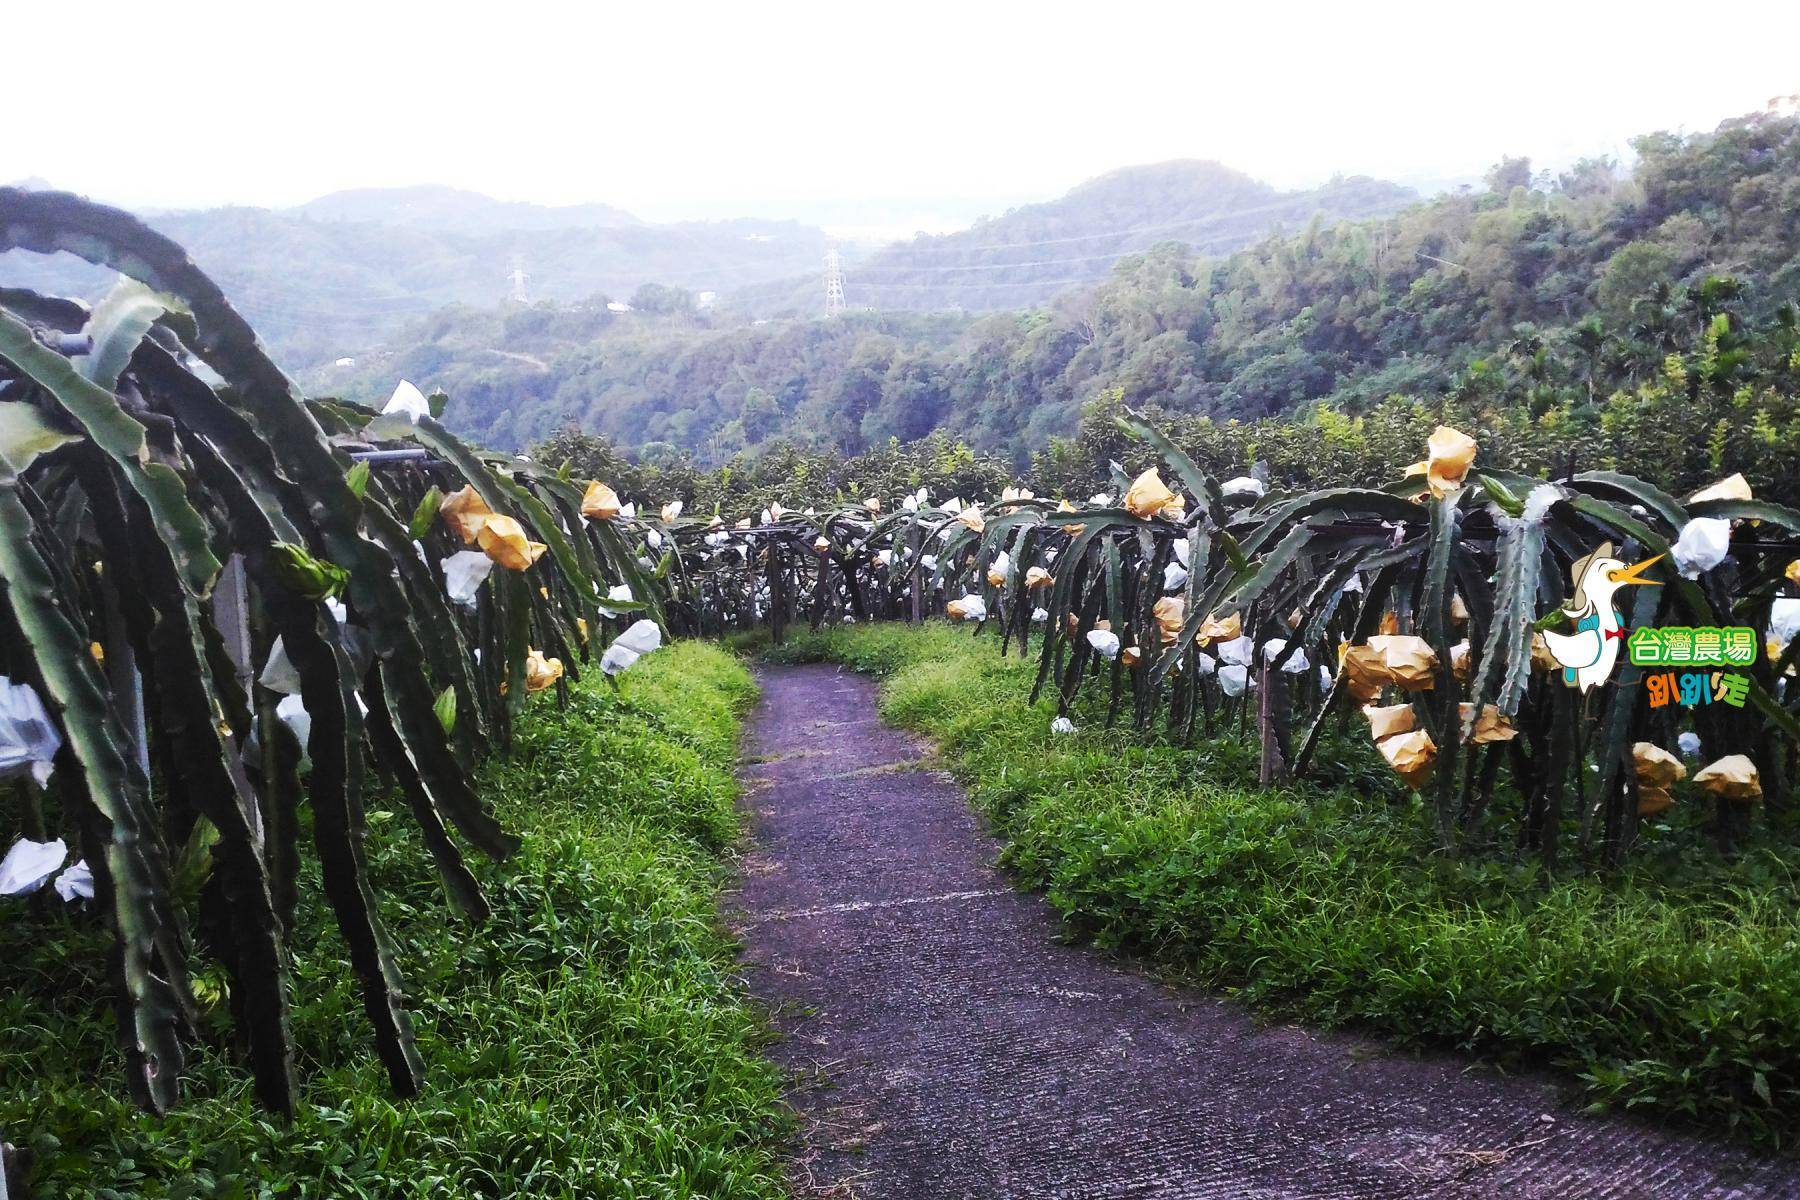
1674,987
588,1043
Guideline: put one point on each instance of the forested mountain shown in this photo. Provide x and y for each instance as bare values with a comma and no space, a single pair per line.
1038,251
1545,295
340,274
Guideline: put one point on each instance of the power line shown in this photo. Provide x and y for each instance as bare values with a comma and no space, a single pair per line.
1208,219
1114,255
863,276
266,300
1016,283
356,303
1008,266
870,277
275,307
944,245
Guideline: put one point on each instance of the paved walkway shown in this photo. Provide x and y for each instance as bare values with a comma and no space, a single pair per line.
945,1045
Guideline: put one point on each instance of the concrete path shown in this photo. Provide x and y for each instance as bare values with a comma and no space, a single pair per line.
945,1045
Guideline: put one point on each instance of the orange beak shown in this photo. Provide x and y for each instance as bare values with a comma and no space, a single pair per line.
1635,574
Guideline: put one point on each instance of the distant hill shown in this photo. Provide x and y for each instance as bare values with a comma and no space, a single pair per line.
1037,251
339,275
454,210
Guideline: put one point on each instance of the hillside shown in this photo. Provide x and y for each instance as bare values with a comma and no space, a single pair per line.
663,373
340,274
1035,252
1541,297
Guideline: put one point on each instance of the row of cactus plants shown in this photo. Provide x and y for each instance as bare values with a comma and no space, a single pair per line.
229,610
1427,605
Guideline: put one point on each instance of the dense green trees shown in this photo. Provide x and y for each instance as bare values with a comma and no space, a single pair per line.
662,299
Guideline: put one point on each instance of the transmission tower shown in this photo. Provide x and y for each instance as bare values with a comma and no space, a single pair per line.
518,278
834,283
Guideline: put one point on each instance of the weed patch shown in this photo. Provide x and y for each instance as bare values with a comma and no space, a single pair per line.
588,1042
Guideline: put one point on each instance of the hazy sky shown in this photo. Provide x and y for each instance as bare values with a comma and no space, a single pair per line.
902,114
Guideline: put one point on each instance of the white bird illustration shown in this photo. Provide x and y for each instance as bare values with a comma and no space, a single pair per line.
1589,654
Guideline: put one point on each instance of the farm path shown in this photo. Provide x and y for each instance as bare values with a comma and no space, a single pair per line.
944,1045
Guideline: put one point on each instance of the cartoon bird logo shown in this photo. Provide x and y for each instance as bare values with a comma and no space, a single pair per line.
1589,655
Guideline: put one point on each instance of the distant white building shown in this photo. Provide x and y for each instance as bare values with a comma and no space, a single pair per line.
617,306
344,362
706,299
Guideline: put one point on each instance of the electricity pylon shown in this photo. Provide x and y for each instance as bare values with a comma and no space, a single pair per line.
834,283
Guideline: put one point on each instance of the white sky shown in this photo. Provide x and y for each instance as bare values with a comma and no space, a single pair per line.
916,114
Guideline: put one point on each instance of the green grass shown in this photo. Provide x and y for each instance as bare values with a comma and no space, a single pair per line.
1672,988
588,1043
